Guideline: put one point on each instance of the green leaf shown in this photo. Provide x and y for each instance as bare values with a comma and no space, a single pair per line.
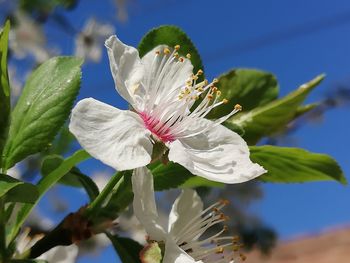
5,104
43,107
272,117
73,178
119,198
17,191
127,249
294,165
169,176
43,186
197,181
171,36
248,87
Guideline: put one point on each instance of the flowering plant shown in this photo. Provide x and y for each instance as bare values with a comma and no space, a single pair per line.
180,132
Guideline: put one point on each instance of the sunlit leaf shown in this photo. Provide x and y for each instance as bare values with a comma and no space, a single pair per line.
294,165
127,249
43,107
272,117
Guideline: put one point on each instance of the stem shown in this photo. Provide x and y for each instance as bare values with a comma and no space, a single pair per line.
100,199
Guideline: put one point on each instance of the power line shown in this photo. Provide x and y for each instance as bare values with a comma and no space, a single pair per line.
279,36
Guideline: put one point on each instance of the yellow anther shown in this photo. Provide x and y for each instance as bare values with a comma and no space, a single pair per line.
235,238
218,93
200,72
238,107
219,250
225,227
177,47
176,55
214,89
225,101
224,202
200,89
205,82
215,80
188,55
195,77
210,97
166,51
181,59
243,257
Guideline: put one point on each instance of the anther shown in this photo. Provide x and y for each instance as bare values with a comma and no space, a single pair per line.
224,202
219,250
157,52
166,51
215,80
210,97
214,89
218,93
200,72
188,55
238,107
177,47
243,257
181,59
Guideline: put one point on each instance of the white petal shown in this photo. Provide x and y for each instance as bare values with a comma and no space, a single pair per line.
144,203
218,154
61,254
174,254
126,67
186,207
117,138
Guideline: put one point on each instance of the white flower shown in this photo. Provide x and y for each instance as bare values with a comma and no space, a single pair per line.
27,37
162,89
187,223
59,254
88,44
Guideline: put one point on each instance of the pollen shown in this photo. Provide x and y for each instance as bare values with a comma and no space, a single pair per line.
238,107
166,51
188,55
218,93
181,59
215,80
200,72
225,101
210,96
177,47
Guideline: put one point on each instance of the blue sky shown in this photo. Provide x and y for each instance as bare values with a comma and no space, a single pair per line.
296,40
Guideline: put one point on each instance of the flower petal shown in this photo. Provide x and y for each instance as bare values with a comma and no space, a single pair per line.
174,254
117,138
186,207
218,154
61,254
144,203
126,67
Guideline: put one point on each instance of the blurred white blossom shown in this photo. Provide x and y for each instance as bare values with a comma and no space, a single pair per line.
27,38
89,42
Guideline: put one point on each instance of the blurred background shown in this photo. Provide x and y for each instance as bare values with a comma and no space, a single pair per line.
295,40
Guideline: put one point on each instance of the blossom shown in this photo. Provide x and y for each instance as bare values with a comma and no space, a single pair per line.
188,221
162,90
59,254
88,43
27,38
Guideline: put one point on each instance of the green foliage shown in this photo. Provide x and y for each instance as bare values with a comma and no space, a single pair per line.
128,249
17,191
274,116
171,36
44,185
174,175
43,108
73,178
119,198
5,104
293,165
248,87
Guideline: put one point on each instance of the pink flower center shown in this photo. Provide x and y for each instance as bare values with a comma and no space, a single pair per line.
157,128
